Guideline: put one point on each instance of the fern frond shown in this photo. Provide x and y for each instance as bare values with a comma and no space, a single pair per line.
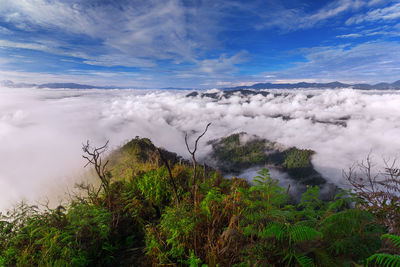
293,234
274,230
394,238
385,260
300,233
339,204
342,246
347,221
305,261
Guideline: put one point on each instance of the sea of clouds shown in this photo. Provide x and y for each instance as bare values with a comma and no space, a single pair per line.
42,130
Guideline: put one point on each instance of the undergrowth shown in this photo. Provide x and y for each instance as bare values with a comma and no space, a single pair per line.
138,221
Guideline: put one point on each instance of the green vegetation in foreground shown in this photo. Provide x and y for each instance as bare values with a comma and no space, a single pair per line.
233,154
137,220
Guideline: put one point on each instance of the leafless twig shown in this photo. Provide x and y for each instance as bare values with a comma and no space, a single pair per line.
379,190
193,152
93,157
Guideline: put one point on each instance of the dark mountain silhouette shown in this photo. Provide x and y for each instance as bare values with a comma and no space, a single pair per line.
71,86
11,84
331,85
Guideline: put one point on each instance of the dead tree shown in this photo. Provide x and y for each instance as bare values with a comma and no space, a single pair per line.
194,187
380,191
193,152
93,155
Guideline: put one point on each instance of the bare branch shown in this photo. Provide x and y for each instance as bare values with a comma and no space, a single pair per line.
193,154
379,190
197,140
93,157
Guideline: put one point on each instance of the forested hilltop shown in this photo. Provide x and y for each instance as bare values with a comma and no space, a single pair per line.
153,208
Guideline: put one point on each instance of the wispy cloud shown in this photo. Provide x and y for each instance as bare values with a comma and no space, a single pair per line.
143,31
223,64
350,35
389,13
297,18
381,31
371,62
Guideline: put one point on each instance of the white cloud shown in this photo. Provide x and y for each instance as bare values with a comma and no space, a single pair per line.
136,33
232,84
381,31
389,13
223,64
221,83
293,19
118,60
354,63
376,2
295,80
350,35
42,130
4,30
31,46
333,10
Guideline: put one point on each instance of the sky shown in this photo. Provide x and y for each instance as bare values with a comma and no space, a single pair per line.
199,44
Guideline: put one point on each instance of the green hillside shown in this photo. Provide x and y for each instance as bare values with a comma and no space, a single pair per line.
237,152
148,212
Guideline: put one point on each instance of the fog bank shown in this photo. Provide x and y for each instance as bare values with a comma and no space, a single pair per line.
42,130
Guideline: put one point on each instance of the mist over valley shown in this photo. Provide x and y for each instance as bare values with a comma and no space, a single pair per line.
42,130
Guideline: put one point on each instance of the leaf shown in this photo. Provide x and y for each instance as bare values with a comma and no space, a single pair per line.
394,238
385,260
305,261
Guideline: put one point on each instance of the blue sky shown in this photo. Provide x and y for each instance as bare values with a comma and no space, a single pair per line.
206,44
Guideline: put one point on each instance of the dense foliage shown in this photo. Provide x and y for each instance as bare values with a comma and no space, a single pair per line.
137,220
239,151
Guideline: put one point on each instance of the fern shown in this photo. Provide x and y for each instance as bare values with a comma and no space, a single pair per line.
305,261
310,199
264,178
276,230
394,238
193,261
211,202
342,201
267,189
351,232
345,222
298,233
154,186
384,259
292,234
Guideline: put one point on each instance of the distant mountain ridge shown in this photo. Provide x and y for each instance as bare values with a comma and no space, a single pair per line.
331,85
71,85
11,84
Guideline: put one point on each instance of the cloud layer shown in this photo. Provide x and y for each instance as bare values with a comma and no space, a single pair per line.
42,130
